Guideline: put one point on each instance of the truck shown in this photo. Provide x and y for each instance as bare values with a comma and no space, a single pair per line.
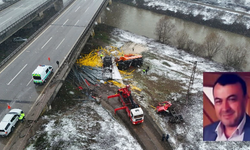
107,68
133,110
125,61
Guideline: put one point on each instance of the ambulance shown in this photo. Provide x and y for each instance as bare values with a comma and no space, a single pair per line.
41,73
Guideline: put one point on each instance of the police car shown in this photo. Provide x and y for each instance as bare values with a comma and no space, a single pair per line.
9,121
41,73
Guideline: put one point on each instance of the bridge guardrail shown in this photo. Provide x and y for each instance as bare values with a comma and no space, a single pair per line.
32,36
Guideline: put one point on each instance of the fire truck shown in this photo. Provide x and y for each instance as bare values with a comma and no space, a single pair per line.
133,110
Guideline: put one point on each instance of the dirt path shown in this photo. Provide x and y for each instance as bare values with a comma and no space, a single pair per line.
147,134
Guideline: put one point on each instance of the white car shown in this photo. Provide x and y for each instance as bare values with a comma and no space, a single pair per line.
9,121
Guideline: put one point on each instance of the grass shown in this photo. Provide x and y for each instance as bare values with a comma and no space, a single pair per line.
41,142
64,99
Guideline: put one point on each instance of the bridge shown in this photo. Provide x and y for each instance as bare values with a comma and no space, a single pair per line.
62,40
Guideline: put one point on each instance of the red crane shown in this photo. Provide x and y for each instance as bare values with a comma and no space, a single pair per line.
133,110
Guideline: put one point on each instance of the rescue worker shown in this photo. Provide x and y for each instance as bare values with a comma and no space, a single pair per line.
144,71
57,62
163,137
167,136
101,56
22,116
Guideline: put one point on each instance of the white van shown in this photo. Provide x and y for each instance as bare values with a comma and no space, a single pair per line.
41,73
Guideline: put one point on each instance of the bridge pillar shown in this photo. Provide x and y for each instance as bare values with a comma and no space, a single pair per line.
40,16
99,20
92,33
58,5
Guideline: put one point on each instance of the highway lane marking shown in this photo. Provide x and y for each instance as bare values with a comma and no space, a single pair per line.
65,22
5,21
18,7
87,9
25,49
17,74
76,22
29,82
77,8
71,5
60,43
56,71
46,42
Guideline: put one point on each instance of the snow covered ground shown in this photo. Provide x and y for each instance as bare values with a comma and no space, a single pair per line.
89,126
187,135
207,12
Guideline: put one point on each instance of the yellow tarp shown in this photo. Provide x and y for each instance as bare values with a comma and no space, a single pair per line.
93,59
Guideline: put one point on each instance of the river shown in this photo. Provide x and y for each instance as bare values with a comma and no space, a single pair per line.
143,22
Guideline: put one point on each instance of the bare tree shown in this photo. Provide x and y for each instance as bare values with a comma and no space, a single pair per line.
235,56
194,48
182,39
213,44
164,30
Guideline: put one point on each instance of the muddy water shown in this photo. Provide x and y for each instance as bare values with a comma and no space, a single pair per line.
143,22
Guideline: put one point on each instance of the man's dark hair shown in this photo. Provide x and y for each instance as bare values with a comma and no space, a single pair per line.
230,78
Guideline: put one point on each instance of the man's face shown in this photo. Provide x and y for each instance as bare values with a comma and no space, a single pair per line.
229,103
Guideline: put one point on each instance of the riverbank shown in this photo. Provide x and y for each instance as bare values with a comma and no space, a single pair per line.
236,27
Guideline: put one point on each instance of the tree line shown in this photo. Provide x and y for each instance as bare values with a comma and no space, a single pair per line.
214,44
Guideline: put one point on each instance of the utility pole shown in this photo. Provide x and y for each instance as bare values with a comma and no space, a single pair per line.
191,81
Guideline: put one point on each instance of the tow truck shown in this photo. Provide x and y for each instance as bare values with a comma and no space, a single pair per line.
133,110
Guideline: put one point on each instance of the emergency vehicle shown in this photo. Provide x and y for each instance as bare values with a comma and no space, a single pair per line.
133,110
41,73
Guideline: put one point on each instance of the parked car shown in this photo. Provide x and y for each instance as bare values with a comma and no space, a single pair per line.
19,39
9,121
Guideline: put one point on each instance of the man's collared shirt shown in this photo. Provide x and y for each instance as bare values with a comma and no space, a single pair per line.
237,135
